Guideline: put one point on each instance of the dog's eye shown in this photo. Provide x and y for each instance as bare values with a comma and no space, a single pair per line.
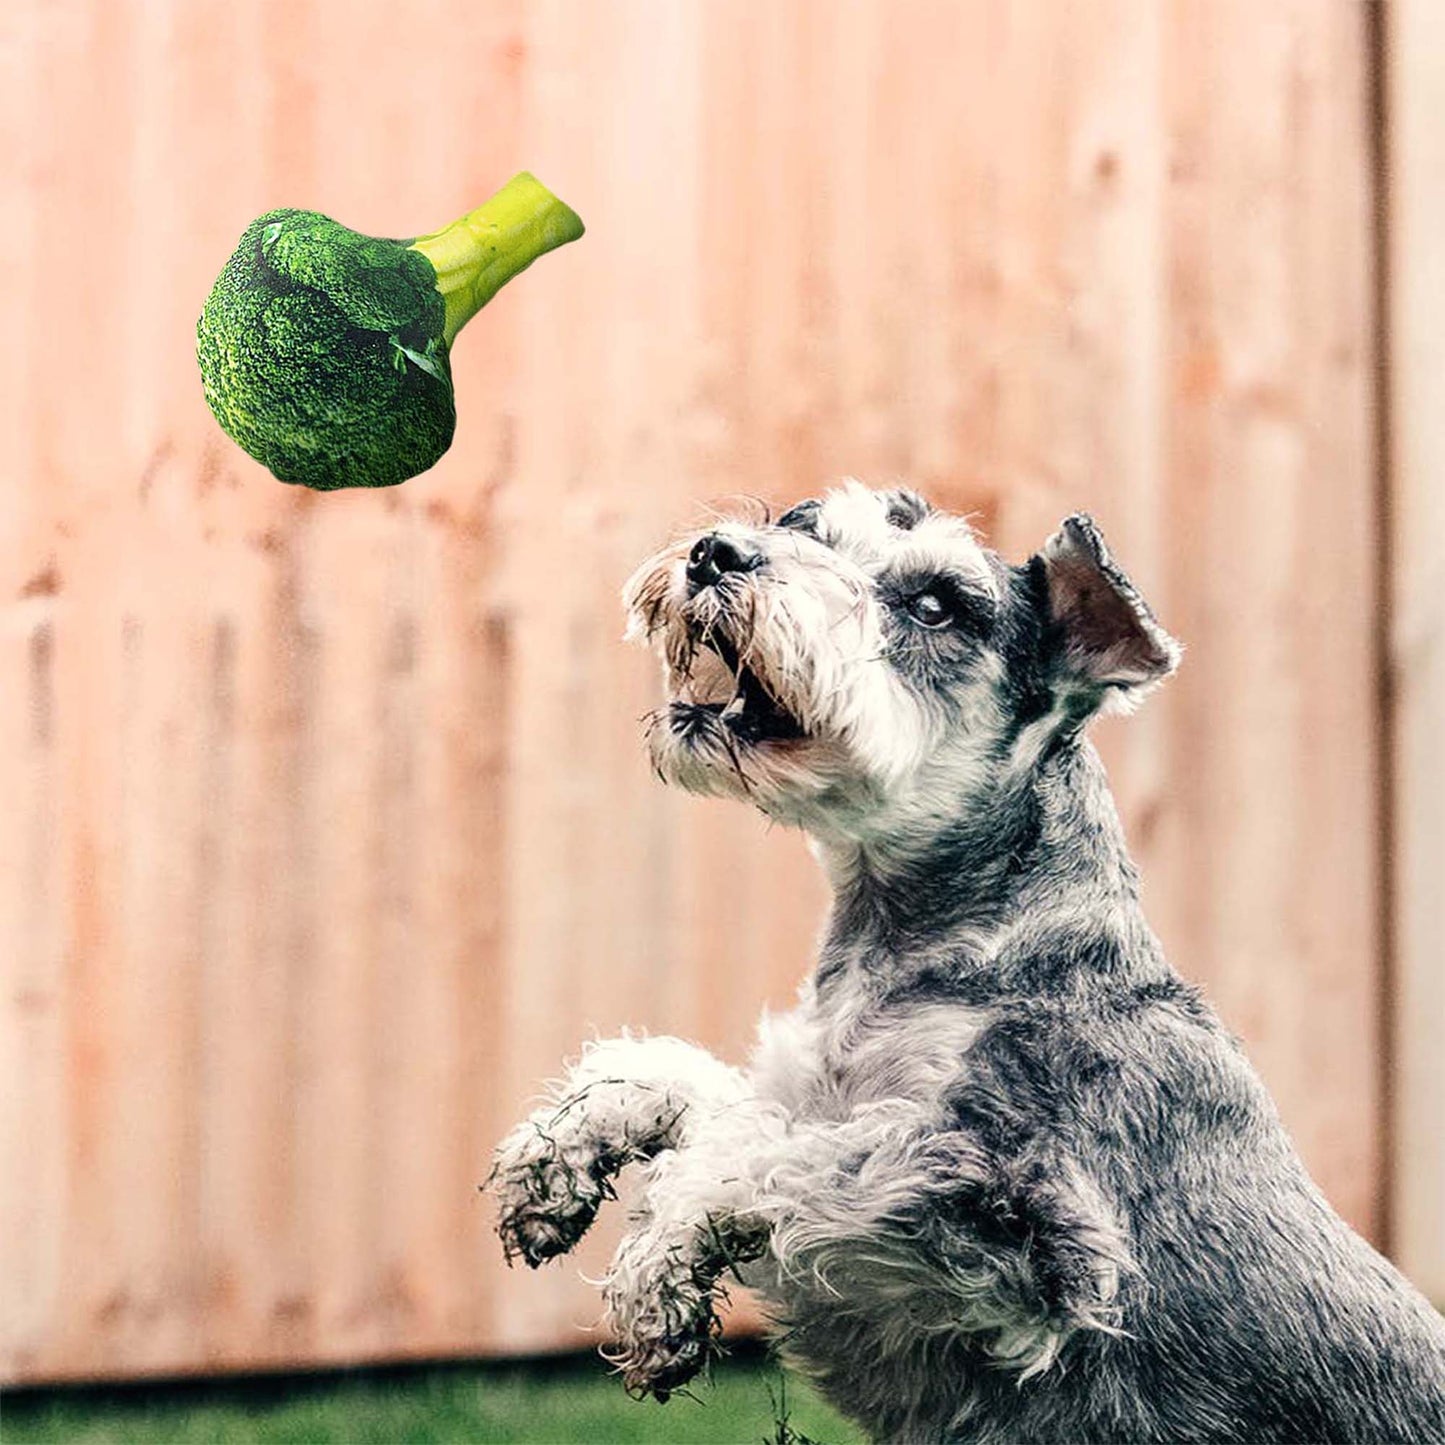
930,608
802,518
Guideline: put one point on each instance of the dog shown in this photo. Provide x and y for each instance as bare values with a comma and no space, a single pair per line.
1002,1176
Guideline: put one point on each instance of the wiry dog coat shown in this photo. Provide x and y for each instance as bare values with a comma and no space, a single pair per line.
1002,1176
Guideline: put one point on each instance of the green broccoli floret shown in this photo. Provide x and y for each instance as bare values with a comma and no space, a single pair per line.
326,353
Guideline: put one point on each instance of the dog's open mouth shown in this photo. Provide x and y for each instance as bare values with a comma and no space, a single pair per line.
739,700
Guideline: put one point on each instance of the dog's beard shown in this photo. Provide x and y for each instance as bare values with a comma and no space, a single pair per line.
769,686
736,721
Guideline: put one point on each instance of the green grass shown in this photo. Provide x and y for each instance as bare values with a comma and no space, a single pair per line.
543,1403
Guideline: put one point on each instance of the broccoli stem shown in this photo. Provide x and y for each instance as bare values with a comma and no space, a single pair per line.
477,255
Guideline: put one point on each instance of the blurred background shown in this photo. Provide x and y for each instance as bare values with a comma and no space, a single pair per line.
327,832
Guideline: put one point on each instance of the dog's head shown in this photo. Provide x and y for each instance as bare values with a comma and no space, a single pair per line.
864,661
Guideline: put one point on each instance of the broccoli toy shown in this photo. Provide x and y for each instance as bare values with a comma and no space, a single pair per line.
326,353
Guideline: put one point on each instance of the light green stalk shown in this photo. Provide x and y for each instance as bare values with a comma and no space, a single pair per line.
477,255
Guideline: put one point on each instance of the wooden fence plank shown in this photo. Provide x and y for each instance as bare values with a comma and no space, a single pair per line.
1269,869
1416,181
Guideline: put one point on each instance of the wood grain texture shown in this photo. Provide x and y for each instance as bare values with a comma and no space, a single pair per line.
1415,81
329,832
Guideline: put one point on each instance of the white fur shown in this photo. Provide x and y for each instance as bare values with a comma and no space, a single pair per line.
788,1176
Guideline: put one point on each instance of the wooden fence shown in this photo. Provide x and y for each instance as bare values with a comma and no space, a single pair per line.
327,832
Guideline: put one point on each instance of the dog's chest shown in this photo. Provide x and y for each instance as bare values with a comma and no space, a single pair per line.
916,1052
827,1061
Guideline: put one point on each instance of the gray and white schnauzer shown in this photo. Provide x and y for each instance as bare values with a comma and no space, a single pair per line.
1001,1176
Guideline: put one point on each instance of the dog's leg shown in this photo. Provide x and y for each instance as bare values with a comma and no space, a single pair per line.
1017,1251
695,1223
625,1099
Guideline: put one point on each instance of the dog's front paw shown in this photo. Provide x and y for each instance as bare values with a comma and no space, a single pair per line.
659,1365
661,1314
548,1194
662,1339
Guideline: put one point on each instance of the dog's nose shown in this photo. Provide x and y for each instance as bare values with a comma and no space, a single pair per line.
713,555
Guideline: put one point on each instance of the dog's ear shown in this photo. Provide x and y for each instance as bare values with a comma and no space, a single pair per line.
1103,642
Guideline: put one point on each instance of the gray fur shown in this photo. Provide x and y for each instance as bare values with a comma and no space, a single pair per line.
1002,1176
